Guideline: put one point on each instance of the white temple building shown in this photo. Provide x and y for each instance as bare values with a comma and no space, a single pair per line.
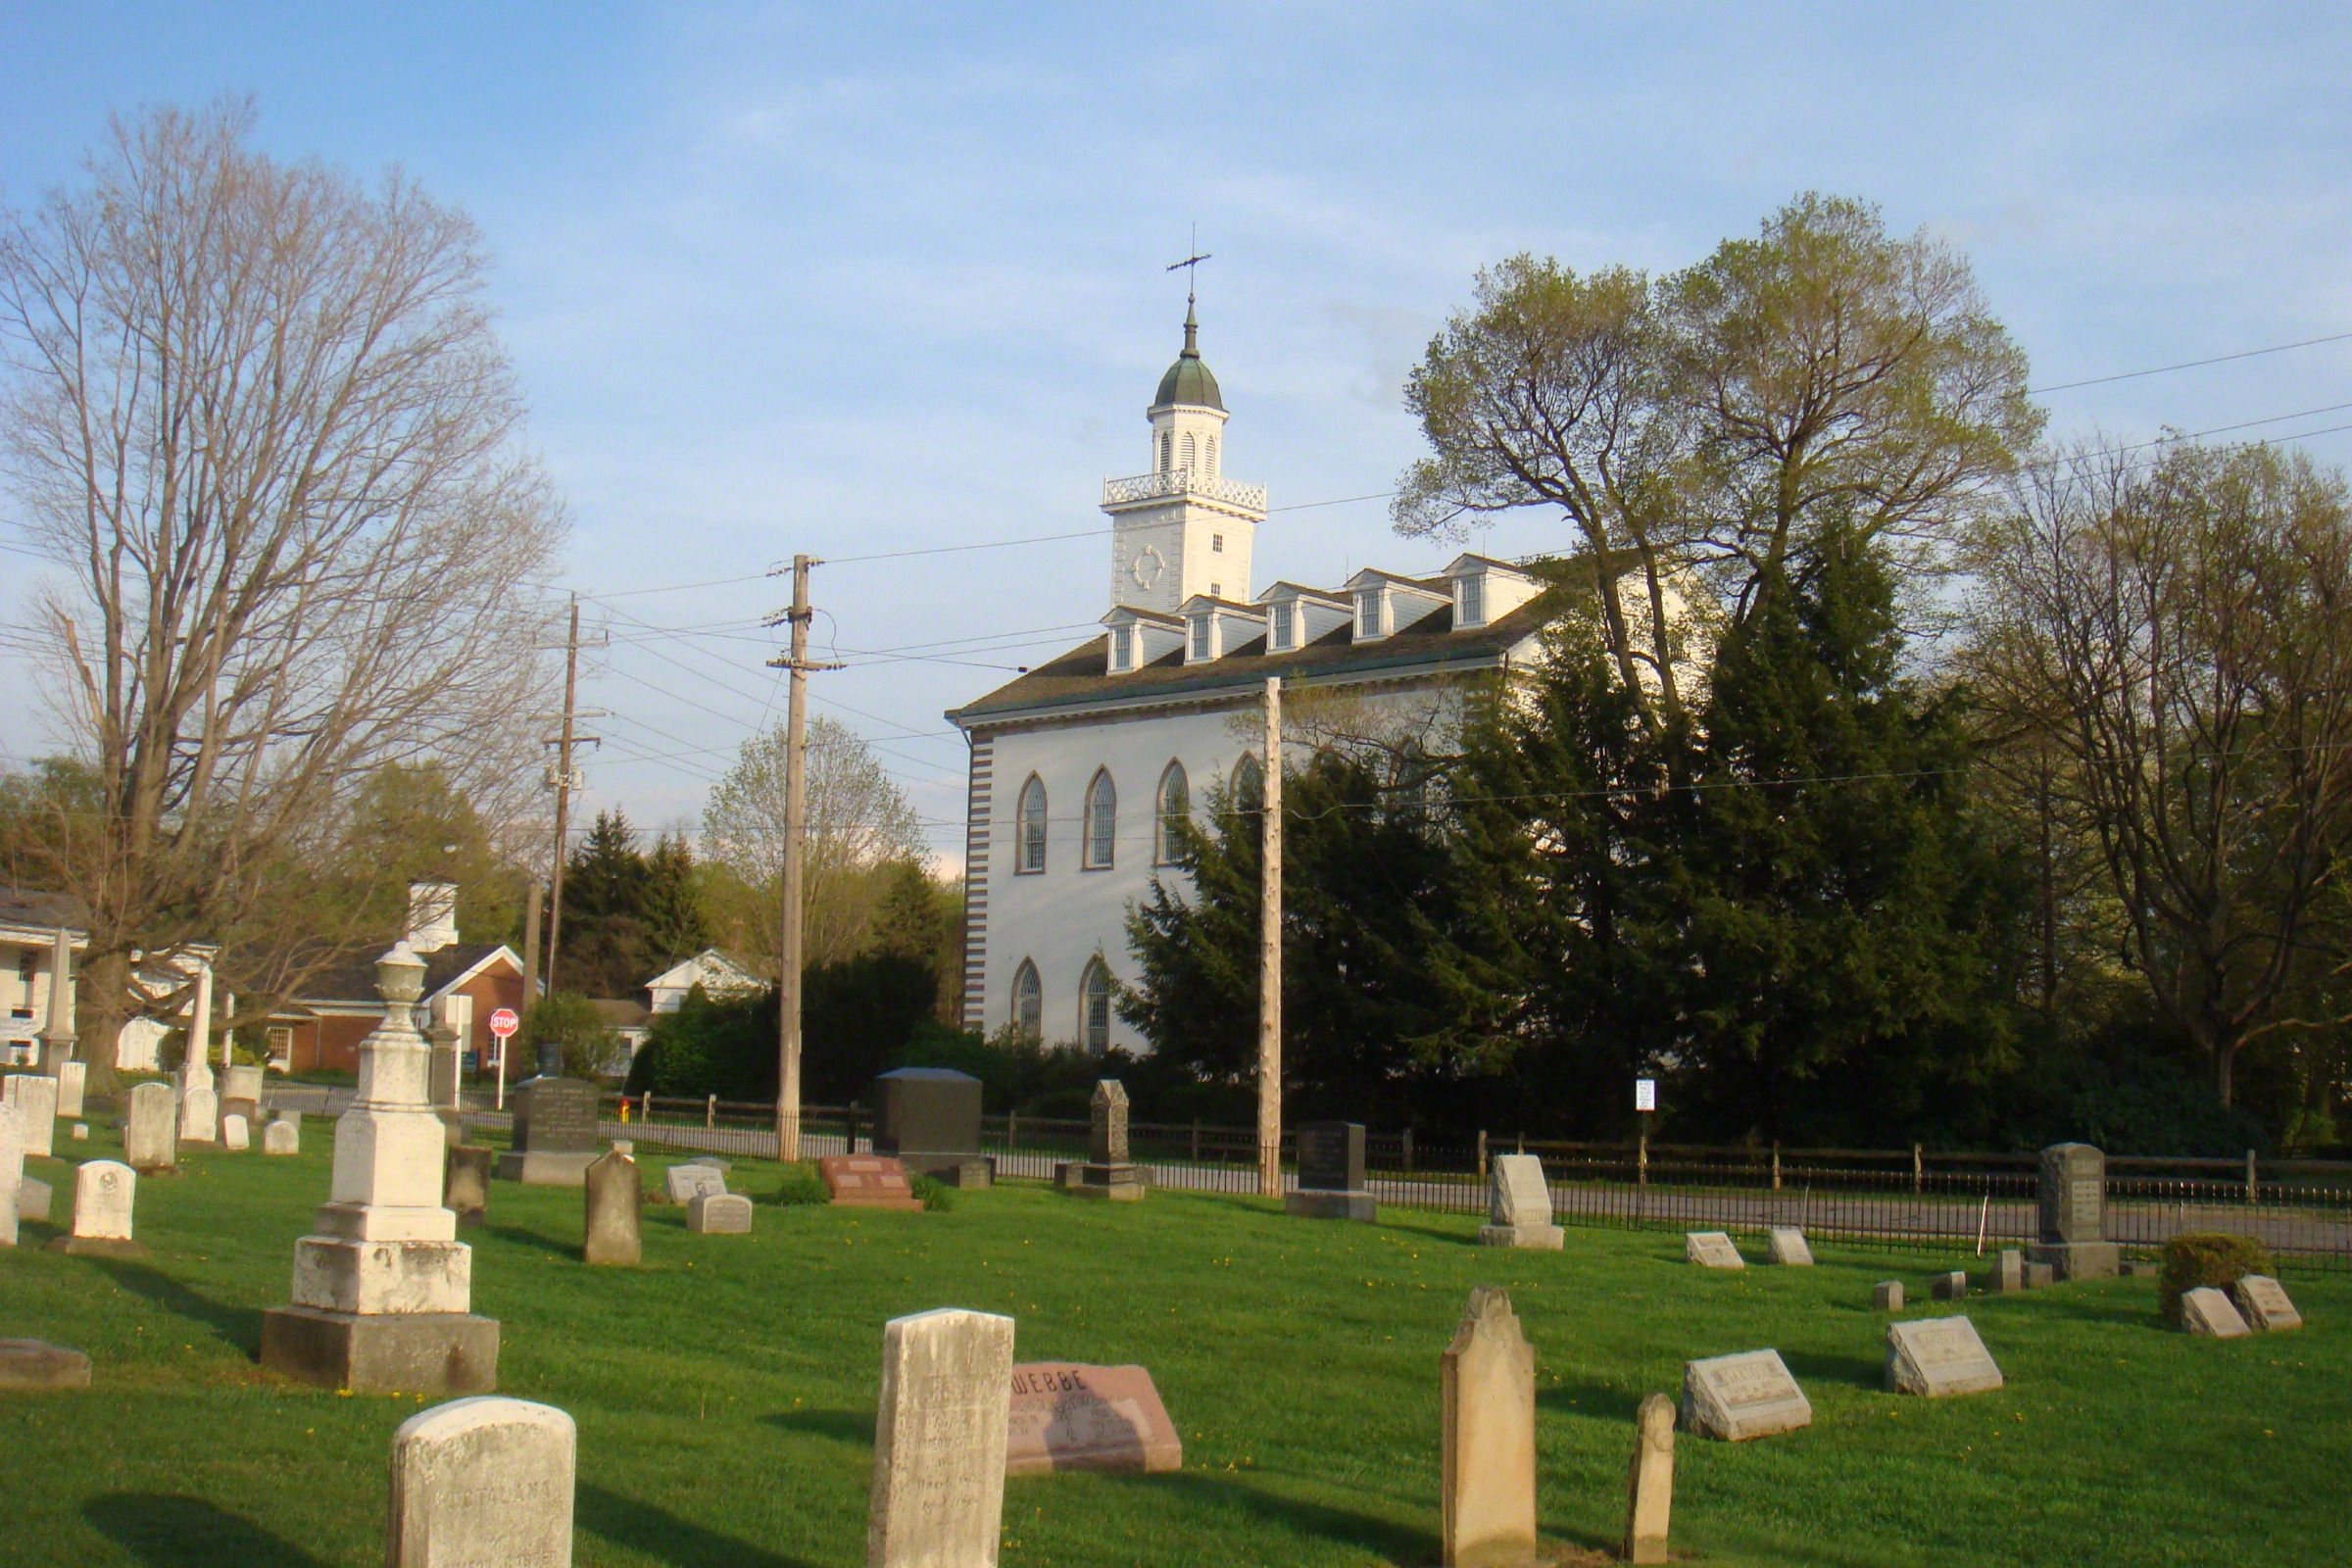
1078,766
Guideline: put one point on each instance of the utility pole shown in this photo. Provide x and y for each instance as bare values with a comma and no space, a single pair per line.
1269,955
567,779
796,845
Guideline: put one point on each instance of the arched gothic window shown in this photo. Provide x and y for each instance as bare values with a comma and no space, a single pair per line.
1188,452
1248,784
1030,858
1094,1006
1102,821
1028,1000
1175,807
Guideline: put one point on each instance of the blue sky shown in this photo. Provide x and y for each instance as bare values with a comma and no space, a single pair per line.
849,280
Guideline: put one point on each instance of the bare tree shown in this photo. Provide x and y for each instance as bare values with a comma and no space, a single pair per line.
859,825
258,416
2183,634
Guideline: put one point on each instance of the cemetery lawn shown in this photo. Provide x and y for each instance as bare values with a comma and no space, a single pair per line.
725,1391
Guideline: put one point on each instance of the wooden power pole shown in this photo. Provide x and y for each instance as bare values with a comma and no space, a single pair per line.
796,845
1269,955
567,779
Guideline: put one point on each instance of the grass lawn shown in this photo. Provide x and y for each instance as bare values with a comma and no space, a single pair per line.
725,1391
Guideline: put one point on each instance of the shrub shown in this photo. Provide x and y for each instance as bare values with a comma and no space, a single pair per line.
570,1023
937,1196
2206,1257
803,1184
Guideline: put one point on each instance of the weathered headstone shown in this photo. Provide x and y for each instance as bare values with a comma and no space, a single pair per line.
35,1094
282,1134
1070,1416
614,1197
929,1117
940,1432
466,1179
2210,1314
2009,1272
80,1132
151,1128
1650,1481
241,1093
1936,1356
233,1135
867,1181
32,1364
199,1099
103,1195
2261,1300
1331,1173
72,1084
12,1172
2073,1214
382,1287
1107,1171
1488,1473
1788,1247
1711,1249
2040,1276
720,1214
482,1483
683,1183
1952,1287
555,1133
1740,1397
1887,1296
33,1198
1519,1206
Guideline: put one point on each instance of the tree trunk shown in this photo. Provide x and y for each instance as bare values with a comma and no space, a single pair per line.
98,1014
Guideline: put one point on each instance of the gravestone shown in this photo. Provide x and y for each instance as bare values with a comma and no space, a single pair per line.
1937,1356
2073,1214
35,1094
151,1128
233,1135
1712,1249
2041,1276
1331,1173
1788,1247
1107,1171
103,1194
1519,1206
1650,1481
441,1079
80,1131
34,1197
940,1430
32,1364
1952,1286
1070,1416
72,1084
867,1181
555,1133
2210,1314
2009,1272
615,1196
929,1117
1488,1376
466,1179
2261,1300
683,1183
282,1134
241,1093
12,1173
199,1103
482,1483
383,1289
720,1214
1740,1397
713,1160
1887,1296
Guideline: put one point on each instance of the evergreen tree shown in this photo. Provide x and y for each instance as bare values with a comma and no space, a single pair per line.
607,950
671,908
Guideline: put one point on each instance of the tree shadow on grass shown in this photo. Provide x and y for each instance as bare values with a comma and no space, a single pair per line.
854,1427
240,1325
165,1532
1391,1542
570,1251
1596,1399
1861,1372
665,1536
1436,1233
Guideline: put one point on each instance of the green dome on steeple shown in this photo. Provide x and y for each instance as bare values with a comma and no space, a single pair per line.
1189,380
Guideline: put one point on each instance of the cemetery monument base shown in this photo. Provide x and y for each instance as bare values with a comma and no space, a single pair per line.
400,1352
2080,1260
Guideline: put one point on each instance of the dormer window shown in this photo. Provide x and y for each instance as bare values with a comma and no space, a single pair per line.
1202,645
1367,612
1278,627
1474,600
1122,649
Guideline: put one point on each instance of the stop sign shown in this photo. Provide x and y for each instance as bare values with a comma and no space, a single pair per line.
502,1022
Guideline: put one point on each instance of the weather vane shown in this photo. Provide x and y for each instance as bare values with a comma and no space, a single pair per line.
1191,265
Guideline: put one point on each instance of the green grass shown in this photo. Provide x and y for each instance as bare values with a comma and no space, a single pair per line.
725,1391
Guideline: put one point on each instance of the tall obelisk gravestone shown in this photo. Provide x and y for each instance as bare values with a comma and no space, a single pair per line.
382,1289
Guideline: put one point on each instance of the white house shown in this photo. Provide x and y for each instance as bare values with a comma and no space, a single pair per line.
718,972
32,924
1077,766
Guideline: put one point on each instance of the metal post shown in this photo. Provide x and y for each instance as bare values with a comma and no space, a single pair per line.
1776,1164
2253,1188
1642,1157
1012,1129
1195,1139
1481,1153
1270,953
1408,1151
1916,1171
710,1111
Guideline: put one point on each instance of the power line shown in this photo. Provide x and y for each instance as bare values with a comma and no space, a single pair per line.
2186,365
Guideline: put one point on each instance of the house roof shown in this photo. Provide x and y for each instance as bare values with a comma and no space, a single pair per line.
354,979
619,1013
1429,645
761,970
30,907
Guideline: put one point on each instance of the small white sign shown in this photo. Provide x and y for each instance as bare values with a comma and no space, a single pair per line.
1645,1094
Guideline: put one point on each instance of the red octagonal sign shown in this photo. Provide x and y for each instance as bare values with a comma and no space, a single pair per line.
504,1023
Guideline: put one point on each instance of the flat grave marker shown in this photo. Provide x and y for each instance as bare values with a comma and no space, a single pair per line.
1712,1249
1789,1247
1939,1357
1068,1415
2210,1314
1737,1398
2263,1301
34,1364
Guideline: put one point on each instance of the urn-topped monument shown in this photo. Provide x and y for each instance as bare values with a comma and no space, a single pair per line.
383,1289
